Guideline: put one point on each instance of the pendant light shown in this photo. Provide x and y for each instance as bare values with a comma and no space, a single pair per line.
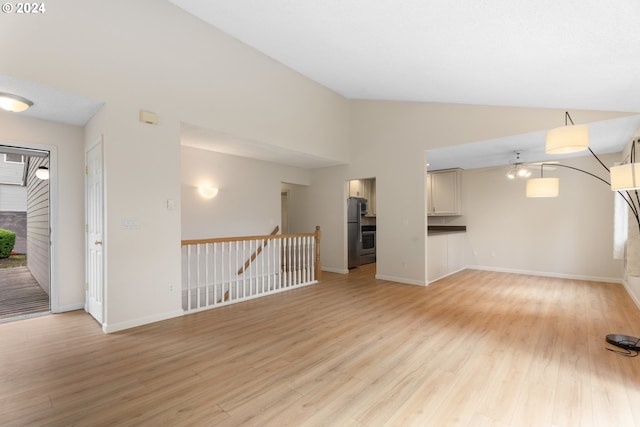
567,139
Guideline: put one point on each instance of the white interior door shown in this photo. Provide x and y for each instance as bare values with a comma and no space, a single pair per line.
95,233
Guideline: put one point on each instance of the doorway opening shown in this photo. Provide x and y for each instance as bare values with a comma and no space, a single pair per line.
361,223
25,246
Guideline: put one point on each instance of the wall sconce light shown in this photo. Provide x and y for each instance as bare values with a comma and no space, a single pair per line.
42,172
567,139
14,103
207,191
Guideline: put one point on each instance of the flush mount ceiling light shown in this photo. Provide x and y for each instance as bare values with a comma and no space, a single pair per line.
42,172
567,139
518,170
14,103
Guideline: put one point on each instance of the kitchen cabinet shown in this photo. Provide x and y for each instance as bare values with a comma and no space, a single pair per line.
444,190
356,188
365,188
445,254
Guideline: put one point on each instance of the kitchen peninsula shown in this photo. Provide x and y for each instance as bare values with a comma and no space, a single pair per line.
446,250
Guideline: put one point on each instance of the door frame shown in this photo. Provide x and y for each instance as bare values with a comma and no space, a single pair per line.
99,142
54,292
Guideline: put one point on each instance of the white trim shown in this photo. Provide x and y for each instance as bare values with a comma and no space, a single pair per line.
70,307
109,328
335,270
547,274
447,275
54,292
401,280
632,294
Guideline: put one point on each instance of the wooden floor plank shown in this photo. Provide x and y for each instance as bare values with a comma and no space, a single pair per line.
474,349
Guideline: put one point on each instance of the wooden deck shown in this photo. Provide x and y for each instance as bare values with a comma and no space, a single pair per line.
20,294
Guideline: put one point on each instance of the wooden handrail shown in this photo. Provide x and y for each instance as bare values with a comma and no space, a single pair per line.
257,252
241,238
265,239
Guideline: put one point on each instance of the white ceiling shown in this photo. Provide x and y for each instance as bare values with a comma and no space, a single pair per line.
51,104
568,54
607,136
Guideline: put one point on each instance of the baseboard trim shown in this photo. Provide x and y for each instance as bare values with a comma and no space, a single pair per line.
447,275
401,280
70,307
547,274
115,327
335,270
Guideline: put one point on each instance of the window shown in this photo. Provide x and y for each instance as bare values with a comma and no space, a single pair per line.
14,158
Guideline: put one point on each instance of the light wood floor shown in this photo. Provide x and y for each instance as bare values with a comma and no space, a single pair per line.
475,349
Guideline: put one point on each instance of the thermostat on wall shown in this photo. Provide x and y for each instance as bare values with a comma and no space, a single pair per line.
148,117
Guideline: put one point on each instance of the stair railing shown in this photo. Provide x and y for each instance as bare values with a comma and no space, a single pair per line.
225,270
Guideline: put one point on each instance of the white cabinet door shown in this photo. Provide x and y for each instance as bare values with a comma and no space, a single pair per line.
444,192
355,188
436,257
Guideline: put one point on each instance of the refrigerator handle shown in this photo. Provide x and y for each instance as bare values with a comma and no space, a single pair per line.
359,223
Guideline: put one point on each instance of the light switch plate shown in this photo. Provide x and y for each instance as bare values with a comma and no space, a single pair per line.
130,223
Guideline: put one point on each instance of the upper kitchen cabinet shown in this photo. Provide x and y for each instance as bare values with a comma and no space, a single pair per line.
356,188
444,192
365,188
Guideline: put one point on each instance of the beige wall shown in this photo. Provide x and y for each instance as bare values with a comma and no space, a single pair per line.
567,236
248,200
389,141
67,182
187,72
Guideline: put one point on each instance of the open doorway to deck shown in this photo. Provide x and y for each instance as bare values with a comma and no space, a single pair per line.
25,266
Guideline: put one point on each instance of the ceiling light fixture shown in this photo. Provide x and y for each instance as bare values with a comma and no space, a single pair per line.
567,139
14,103
518,170
42,172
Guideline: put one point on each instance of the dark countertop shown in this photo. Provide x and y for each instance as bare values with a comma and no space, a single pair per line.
442,229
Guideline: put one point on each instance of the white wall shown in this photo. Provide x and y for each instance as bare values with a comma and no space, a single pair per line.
248,200
68,181
567,236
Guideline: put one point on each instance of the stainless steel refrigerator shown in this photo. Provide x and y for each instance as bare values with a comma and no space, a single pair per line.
356,207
